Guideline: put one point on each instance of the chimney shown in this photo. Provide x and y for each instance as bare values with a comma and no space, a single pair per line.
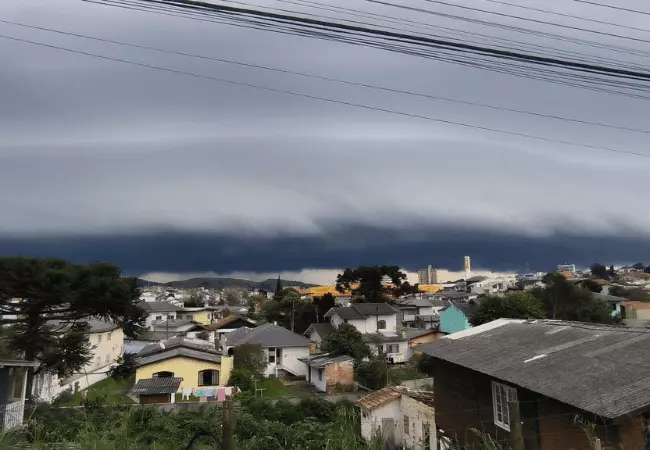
313,348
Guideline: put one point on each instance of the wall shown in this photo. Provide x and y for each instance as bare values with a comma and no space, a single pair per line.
188,369
153,317
290,357
339,374
321,385
107,347
336,321
420,416
203,317
422,339
315,337
371,420
453,320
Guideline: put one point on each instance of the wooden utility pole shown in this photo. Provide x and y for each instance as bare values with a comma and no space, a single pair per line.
516,438
228,426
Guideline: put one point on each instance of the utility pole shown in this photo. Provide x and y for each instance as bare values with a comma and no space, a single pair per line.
228,426
293,304
516,439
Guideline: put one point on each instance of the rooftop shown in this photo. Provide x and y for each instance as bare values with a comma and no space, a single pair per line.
156,386
228,320
267,335
158,306
319,361
178,346
379,398
359,311
323,329
596,368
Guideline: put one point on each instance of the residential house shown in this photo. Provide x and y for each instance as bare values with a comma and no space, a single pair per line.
158,311
378,322
455,296
198,363
455,316
419,312
156,390
283,348
228,324
615,303
107,345
166,329
204,315
403,418
330,374
562,375
635,310
488,286
318,332
418,336
13,385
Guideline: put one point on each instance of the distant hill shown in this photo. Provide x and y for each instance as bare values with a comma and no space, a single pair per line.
223,283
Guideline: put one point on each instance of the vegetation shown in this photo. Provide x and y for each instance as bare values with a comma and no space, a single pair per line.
372,374
631,293
347,340
592,286
365,283
519,305
249,366
54,291
288,310
125,367
108,392
260,424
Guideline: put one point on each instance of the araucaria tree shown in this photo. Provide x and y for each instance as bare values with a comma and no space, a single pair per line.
45,305
366,283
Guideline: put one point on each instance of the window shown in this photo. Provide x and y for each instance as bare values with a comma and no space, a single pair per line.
406,424
99,338
345,320
163,374
208,378
381,324
392,348
320,374
380,349
271,352
501,396
109,335
158,317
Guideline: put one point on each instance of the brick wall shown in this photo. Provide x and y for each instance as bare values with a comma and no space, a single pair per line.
340,374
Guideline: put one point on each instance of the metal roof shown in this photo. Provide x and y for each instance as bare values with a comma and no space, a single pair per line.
320,361
267,335
323,329
158,306
156,386
178,346
359,311
596,368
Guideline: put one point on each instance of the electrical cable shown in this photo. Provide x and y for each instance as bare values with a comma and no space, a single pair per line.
324,78
619,8
326,99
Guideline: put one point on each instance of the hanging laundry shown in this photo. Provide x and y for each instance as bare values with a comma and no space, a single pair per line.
186,393
221,394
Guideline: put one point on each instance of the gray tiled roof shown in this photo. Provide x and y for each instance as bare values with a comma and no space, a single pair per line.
178,346
609,298
385,337
359,311
158,306
95,325
597,368
267,335
323,329
319,361
153,386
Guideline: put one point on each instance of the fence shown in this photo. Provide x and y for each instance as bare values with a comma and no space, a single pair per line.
11,414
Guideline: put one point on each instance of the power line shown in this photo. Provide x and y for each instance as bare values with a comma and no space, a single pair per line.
571,16
324,78
325,99
619,8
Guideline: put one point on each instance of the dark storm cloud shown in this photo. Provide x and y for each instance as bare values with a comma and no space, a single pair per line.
96,157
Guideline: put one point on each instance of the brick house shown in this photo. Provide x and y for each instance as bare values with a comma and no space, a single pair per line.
330,374
562,375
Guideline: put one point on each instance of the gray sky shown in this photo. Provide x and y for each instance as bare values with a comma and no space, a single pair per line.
96,148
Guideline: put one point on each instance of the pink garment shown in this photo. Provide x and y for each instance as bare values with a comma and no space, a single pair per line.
221,394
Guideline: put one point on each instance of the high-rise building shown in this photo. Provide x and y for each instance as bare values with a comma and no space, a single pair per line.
468,268
428,275
571,268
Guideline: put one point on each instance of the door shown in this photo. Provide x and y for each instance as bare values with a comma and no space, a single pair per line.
388,432
278,356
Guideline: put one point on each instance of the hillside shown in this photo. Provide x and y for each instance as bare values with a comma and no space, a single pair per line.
223,283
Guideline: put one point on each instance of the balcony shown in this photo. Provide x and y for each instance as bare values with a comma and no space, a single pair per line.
11,414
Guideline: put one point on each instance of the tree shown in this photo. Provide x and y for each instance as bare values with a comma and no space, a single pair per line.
55,299
232,298
366,283
372,374
592,286
323,304
125,367
563,300
194,299
278,286
347,340
600,271
250,363
519,305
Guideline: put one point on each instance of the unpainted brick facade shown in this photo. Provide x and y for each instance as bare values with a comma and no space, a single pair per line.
339,375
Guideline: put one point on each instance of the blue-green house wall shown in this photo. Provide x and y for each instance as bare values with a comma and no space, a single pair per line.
453,320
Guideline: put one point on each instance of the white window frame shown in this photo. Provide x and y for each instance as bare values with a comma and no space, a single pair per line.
502,394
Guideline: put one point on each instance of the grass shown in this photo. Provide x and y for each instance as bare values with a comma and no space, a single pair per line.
273,388
397,374
113,392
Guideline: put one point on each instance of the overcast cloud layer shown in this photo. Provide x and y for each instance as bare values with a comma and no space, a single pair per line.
164,173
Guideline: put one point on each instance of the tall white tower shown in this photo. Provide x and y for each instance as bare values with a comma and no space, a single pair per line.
468,268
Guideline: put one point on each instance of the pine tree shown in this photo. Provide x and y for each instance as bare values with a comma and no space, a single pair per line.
278,286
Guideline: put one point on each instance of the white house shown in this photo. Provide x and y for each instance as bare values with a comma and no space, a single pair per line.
318,332
402,417
420,312
378,322
283,348
330,374
107,345
157,312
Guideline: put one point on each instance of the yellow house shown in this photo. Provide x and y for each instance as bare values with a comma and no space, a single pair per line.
198,363
202,315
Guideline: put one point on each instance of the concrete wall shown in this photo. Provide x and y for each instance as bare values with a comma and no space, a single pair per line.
371,421
321,384
421,418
